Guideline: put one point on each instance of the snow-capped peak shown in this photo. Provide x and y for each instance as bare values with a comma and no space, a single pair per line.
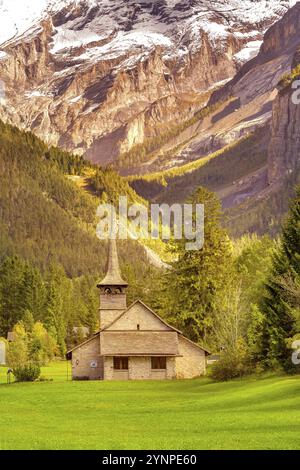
152,16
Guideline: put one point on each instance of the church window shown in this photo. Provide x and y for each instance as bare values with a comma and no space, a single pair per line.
158,362
121,363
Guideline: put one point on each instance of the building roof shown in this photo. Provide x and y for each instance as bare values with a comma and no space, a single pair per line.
143,355
142,342
207,352
113,274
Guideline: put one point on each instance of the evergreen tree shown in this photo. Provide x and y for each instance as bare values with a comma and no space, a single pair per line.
34,292
279,305
11,293
192,288
58,304
28,321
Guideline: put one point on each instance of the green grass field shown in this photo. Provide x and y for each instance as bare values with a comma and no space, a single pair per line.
252,413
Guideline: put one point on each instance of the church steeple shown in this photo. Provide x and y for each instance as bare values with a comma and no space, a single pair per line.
113,275
112,289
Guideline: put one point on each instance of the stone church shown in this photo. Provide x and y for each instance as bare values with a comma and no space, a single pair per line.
133,342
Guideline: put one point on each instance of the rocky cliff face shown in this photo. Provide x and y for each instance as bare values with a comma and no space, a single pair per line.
260,101
99,77
284,148
258,97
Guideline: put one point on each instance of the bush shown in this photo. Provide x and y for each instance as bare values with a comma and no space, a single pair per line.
27,373
230,366
288,78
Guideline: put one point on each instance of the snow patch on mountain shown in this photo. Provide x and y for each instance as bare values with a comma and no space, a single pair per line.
67,64
17,16
172,24
124,43
3,55
68,39
251,50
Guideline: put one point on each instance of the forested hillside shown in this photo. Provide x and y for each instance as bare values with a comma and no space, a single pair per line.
216,171
44,216
50,257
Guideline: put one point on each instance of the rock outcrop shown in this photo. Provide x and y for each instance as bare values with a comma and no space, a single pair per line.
100,77
284,148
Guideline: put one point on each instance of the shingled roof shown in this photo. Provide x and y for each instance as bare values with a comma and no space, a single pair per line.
113,275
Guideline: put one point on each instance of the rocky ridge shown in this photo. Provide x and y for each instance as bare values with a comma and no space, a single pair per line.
99,77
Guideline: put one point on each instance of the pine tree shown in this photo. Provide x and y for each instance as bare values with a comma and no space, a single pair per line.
11,293
28,321
57,310
192,288
279,305
34,292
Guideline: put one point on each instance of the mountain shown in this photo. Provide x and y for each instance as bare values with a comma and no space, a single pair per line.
104,78
246,147
175,94
46,217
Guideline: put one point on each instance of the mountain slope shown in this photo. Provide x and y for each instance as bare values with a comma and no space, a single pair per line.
247,148
100,77
44,216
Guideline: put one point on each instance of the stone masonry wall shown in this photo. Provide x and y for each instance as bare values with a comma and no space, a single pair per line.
108,316
82,359
192,363
138,314
139,368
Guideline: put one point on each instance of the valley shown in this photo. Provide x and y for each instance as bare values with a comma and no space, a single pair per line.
170,95
146,105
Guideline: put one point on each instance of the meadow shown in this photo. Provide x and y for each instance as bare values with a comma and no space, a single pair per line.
253,413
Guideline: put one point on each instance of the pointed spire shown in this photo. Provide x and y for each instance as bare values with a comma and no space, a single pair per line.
113,275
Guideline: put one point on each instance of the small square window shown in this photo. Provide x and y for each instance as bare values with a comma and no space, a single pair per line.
121,363
158,363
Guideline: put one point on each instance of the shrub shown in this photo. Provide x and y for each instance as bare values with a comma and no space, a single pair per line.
288,78
231,365
27,373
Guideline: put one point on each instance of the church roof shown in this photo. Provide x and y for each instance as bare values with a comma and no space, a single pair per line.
172,328
142,343
130,332
113,274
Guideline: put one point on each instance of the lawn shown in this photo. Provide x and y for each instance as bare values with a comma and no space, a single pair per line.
252,413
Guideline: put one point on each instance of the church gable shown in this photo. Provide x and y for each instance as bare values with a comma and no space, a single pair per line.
139,317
